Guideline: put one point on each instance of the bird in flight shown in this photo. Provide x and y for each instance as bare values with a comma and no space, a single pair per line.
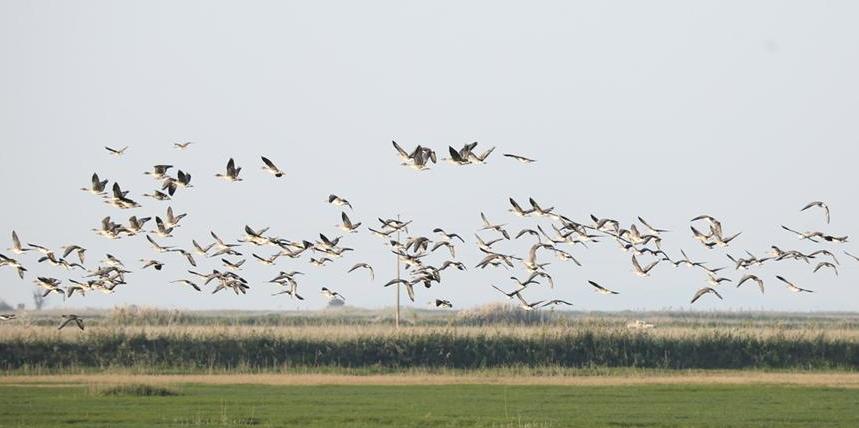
819,204
519,158
116,152
269,166
68,319
703,291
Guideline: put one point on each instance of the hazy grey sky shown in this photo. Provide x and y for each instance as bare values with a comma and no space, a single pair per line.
743,110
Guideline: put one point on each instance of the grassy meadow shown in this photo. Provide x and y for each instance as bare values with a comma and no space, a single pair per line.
427,405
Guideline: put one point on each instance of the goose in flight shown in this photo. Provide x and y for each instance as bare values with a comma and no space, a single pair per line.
487,225
510,294
109,229
715,281
338,201
531,263
542,212
448,236
161,230
232,172
77,249
135,225
651,229
6,261
233,266
818,204
687,262
443,304
158,195
410,287
331,294
754,278
703,291
119,199
159,172
187,282
116,152
479,159
528,306
182,146
517,210
364,266
268,261
530,280
68,319
292,292
642,272
792,287
182,180
320,262
97,186
200,250
271,167
417,159
158,247
448,263
455,157
151,263
519,158
347,225
600,289
447,244
50,285
822,265
7,317
171,220
16,247
556,302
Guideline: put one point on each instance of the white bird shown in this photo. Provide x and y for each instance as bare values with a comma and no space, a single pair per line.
232,172
79,322
703,291
16,247
519,158
116,152
754,278
338,201
642,272
158,172
822,265
528,306
187,282
271,167
347,225
443,303
600,289
556,302
331,294
364,266
819,204
97,186
792,287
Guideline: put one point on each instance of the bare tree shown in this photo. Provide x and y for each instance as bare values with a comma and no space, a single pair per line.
38,300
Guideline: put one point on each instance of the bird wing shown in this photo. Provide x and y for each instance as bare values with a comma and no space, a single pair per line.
269,163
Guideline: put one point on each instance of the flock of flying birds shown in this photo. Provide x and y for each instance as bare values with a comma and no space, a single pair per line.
641,239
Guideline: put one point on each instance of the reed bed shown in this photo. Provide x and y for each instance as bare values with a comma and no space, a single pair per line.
275,348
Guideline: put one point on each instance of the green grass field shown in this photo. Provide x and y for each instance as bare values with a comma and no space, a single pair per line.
447,405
